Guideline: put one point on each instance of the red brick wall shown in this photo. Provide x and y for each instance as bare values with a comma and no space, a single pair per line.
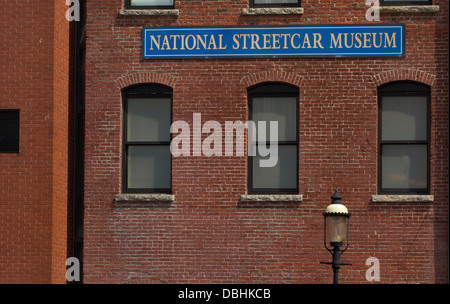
33,183
207,234
62,141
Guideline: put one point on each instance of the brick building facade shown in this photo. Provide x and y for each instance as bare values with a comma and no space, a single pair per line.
36,182
204,231
204,219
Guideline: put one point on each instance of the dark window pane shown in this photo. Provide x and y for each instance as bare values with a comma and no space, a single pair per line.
273,163
405,2
149,167
280,109
388,1
404,118
148,119
147,161
283,175
404,166
403,138
151,2
9,131
274,1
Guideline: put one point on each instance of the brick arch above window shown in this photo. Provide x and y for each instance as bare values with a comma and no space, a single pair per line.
403,75
146,77
274,75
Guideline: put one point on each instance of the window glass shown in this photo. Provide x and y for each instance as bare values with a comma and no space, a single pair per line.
273,166
388,1
9,131
282,175
274,1
149,167
404,118
403,138
147,158
151,2
404,166
148,119
405,2
280,109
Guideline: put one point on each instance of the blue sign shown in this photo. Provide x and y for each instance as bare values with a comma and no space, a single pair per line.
282,41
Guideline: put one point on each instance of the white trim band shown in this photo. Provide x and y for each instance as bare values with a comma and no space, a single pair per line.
403,198
272,198
145,197
409,9
273,11
149,12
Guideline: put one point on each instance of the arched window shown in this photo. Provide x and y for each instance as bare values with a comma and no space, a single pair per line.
147,159
403,139
269,103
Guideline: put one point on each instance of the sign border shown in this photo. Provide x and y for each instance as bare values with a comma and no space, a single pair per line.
237,56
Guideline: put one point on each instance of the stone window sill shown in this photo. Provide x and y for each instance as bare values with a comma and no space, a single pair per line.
149,12
409,9
147,197
273,11
271,198
403,198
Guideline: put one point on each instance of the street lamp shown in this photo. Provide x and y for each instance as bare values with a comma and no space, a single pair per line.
336,222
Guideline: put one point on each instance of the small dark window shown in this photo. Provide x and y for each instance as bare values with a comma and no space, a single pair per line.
404,2
147,160
274,102
9,131
274,3
143,4
403,139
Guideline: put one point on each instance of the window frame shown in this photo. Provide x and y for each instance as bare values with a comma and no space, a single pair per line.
129,6
274,89
144,91
274,5
403,88
405,3
16,148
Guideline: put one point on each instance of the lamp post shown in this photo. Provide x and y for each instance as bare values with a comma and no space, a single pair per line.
336,224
